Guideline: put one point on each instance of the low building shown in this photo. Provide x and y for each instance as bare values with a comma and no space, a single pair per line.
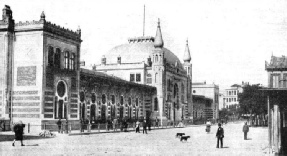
201,106
209,91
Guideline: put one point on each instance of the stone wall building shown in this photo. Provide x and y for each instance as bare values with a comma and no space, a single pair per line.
105,97
145,60
39,66
41,80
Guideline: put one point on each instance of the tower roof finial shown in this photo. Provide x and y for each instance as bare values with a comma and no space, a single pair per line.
187,57
42,16
158,41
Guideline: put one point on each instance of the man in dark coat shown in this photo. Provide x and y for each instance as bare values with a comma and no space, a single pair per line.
220,136
59,123
144,127
19,131
245,130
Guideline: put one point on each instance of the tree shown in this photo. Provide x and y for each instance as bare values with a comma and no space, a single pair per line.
252,100
223,113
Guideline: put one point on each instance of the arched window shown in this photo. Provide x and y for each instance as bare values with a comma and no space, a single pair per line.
93,98
50,56
113,99
67,55
137,101
57,58
155,77
182,88
130,101
122,100
72,61
103,99
82,96
148,79
155,104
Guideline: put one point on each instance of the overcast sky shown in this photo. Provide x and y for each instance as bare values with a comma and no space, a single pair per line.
229,40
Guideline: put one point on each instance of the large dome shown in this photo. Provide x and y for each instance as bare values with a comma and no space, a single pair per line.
138,50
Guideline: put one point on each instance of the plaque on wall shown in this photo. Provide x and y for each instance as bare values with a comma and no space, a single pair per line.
26,76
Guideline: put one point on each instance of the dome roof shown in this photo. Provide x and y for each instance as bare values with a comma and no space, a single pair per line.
138,50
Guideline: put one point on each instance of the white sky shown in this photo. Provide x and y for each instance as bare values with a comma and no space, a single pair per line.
229,39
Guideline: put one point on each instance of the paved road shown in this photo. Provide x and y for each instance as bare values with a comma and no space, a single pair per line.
156,142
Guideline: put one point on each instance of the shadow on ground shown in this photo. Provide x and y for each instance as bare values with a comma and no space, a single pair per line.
7,137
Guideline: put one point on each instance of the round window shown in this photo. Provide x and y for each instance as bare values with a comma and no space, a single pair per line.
61,89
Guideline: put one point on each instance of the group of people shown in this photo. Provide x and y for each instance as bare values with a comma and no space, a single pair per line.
62,125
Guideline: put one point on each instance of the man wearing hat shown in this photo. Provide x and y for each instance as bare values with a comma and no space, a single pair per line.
220,136
18,129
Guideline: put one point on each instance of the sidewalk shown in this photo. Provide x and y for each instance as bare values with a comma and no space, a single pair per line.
96,131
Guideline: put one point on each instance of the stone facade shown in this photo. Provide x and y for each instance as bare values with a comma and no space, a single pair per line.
39,71
105,97
145,60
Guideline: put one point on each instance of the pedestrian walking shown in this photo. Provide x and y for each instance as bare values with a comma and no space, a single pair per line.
109,124
144,127
19,131
245,130
220,136
67,127
82,125
156,122
59,123
137,126
115,124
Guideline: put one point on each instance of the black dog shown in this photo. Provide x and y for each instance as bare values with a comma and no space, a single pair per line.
179,134
184,138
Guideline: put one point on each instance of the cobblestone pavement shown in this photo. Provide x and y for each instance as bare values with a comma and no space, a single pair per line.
156,142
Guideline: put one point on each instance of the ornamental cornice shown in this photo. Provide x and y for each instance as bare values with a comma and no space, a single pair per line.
49,27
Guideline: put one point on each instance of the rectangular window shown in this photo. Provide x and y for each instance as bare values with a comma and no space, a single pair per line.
132,77
275,83
138,77
285,80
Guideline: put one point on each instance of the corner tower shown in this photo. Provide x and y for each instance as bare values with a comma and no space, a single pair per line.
158,68
6,54
188,68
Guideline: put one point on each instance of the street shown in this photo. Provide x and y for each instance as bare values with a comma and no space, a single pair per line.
156,142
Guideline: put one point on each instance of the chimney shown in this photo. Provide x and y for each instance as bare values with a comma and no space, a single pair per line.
103,60
119,60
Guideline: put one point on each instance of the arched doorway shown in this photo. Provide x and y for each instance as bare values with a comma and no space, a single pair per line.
103,112
93,112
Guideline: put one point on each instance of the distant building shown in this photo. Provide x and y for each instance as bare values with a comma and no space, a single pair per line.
222,101
209,91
